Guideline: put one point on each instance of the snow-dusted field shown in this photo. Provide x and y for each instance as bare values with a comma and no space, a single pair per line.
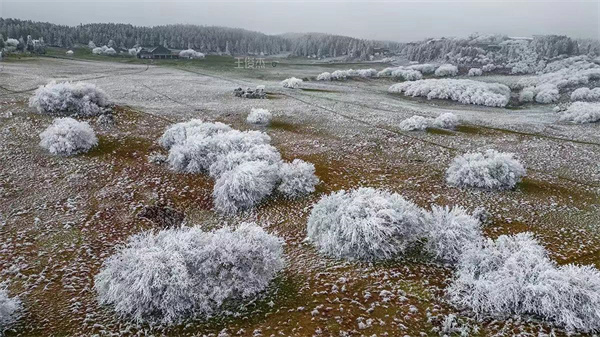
60,218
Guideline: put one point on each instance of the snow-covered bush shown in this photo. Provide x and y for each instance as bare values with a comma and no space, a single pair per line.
446,120
326,76
489,170
10,308
231,160
414,123
66,137
366,73
69,53
581,112
339,75
513,275
586,94
423,68
104,50
407,74
133,51
259,116
364,224
178,133
446,70
174,274
81,99
291,83
244,186
527,94
547,93
475,72
450,231
463,91
297,178
489,67
191,54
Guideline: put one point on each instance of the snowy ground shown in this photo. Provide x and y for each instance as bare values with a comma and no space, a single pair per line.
60,217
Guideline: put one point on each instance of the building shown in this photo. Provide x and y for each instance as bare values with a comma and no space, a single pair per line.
158,52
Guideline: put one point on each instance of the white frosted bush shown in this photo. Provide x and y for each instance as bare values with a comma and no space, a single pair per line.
585,94
581,112
446,120
339,75
326,76
259,116
547,93
133,51
104,50
489,67
231,160
475,72
446,70
527,94
66,137
291,83
414,123
367,73
513,275
69,52
245,186
175,274
423,68
489,170
407,74
191,54
387,71
297,179
10,308
81,99
450,231
463,91
364,224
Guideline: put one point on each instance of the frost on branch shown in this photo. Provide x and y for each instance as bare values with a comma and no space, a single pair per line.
81,99
513,275
66,137
175,274
364,224
446,70
10,308
297,178
259,116
446,120
475,72
291,83
581,113
463,91
191,54
586,94
414,123
423,68
450,231
489,170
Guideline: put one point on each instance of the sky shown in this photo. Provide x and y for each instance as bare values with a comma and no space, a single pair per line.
381,20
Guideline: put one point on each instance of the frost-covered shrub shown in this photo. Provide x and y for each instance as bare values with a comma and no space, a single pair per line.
259,116
191,54
291,83
446,70
463,91
10,308
69,53
450,231
231,160
339,75
581,112
364,224
547,93
489,170
178,133
423,68
446,120
244,186
513,275
489,67
366,73
326,76
168,276
104,50
414,123
586,94
66,137
407,74
527,94
475,72
82,99
297,178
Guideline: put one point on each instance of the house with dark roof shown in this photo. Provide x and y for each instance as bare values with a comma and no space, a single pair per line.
158,52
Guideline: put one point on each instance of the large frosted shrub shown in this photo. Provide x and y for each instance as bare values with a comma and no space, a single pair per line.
513,275
259,116
585,94
547,93
423,68
231,160
581,113
489,170
82,99
463,91
297,179
10,308
326,76
168,276
450,231
446,120
407,74
364,224
67,137
475,72
414,123
191,54
104,50
178,133
446,70
291,83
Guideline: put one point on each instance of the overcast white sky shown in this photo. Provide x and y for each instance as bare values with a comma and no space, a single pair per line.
384,20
